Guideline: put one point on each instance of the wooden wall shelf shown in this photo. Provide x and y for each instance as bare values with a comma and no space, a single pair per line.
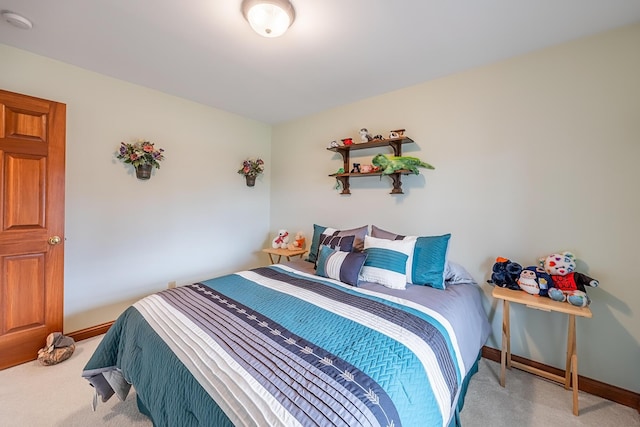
345,151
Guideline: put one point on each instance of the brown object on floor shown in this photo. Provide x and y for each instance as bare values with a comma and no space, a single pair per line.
58,349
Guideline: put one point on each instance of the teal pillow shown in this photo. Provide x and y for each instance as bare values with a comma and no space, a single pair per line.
315,242
429,259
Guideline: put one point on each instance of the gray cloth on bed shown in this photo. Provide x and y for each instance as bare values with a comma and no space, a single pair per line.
107,381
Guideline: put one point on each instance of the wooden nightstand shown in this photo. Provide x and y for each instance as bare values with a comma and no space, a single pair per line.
544,304
284,253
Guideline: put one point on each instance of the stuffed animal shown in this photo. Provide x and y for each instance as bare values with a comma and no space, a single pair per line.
298,241
281,240
390,164
568,284
505,273
535,281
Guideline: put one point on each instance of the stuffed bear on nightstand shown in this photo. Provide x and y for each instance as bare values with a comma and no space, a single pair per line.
568,285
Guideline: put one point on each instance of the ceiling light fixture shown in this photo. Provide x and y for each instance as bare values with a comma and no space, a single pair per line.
269,18
16,20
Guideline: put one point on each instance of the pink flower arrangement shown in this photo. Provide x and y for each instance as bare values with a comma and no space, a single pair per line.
141,152
251,167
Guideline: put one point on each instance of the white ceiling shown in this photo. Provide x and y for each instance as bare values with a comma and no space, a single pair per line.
336,51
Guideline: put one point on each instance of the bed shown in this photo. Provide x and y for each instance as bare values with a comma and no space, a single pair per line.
284,346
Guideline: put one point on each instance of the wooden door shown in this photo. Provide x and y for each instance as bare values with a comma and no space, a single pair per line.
32,156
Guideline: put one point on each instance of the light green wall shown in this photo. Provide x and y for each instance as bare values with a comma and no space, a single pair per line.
194,219
533,155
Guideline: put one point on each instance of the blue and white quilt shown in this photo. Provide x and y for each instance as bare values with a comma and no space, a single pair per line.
277,347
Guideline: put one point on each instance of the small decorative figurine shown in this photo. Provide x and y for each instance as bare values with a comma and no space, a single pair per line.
393,134
365,136
399,132
366,168
334,144
356,168
378,137
347,141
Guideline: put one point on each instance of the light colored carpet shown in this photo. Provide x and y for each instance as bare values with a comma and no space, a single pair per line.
43,396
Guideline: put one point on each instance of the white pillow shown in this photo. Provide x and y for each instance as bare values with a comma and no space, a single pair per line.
387,261
456,274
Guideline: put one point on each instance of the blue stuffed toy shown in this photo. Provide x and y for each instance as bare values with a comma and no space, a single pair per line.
505,273
535,281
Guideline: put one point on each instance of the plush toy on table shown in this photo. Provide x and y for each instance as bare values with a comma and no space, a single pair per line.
505,273
535,281
569,285
281,241
298,242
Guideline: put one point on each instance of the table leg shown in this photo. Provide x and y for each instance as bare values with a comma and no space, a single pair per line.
574,369
505,356
508,334
571,350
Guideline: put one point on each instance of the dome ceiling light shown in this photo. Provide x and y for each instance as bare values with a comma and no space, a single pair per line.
16,20
269,18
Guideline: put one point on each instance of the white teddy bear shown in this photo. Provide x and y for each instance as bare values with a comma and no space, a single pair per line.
281,240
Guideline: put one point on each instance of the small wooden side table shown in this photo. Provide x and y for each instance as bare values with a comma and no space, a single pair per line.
284,253
545,304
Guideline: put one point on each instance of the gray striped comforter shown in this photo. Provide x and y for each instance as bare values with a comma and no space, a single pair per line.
277,347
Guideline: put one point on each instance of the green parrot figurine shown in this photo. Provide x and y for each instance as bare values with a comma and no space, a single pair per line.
391,164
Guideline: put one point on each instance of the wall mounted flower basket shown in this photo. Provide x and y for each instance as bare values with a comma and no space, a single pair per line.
143,171
251,169
142,155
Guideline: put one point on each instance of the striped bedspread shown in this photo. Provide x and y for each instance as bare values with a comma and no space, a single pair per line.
275,347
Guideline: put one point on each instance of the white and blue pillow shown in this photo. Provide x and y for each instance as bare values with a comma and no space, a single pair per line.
426,264
339,265
339,243
386,261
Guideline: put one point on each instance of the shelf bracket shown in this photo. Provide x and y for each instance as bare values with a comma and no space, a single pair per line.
397,183
395,145
344,180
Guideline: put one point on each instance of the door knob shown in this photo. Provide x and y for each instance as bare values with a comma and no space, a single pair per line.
54,240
